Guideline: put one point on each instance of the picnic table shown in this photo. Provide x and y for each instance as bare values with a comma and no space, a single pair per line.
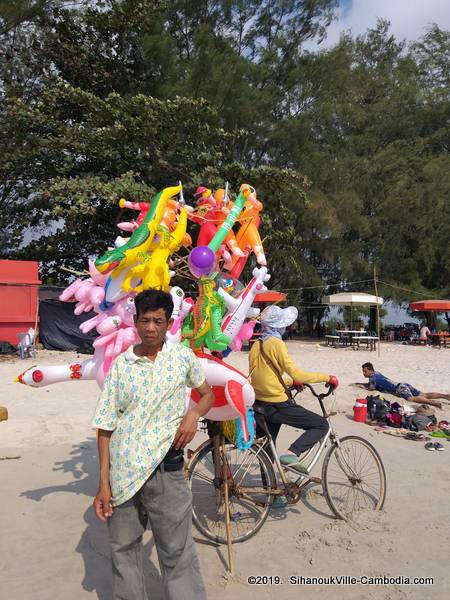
440,339
369,340
332,340
353,338
346,335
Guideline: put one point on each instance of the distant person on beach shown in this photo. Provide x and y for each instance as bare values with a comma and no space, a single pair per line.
291,331
379,382
141,436
269,361
424,332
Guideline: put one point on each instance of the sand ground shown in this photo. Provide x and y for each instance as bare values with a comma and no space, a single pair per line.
52,546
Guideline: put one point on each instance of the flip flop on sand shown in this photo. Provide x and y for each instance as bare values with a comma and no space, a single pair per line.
430,447
415,437
438,446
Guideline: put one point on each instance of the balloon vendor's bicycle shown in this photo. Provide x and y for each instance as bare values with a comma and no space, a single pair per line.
233,490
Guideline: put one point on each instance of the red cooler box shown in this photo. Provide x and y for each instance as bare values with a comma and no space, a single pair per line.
360,410
19,287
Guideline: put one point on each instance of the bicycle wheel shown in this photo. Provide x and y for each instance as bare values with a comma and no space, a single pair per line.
353,477
250,479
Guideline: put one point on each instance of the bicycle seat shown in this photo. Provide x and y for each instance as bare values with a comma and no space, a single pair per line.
263,409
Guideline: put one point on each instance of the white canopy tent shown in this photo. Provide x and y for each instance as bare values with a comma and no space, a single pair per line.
352,299
356,299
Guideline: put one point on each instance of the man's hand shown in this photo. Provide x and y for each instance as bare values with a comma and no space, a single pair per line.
333,381
298,386
102,503
187,429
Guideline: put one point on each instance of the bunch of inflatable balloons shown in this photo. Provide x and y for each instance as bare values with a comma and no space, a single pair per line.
213,324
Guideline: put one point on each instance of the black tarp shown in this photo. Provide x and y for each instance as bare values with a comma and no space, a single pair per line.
7,348
59,327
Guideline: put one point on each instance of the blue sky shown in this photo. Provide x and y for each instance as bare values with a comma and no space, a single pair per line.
409,18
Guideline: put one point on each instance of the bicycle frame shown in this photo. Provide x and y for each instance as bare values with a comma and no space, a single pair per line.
240,481
303,478
264,443
267,441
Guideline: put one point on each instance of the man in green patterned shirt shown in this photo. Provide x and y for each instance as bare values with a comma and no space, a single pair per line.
141,436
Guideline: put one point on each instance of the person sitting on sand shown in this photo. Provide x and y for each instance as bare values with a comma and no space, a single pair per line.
379,382
269,360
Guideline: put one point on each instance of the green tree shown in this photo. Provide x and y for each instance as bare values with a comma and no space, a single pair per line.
363,131
70,157
13,14
348,147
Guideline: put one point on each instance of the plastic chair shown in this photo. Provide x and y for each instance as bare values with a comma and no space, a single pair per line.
26,343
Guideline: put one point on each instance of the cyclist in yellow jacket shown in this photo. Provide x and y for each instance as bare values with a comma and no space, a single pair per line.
272,362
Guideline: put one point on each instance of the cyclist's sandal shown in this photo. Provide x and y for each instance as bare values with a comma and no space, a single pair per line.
290,460
279,502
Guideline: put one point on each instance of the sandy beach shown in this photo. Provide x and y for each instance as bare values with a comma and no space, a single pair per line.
54,547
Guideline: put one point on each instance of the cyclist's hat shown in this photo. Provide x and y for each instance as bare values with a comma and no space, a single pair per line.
276,317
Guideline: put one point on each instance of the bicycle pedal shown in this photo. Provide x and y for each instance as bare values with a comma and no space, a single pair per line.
293,493
315,480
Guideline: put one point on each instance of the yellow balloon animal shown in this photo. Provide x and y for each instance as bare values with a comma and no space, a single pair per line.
154,268
132,260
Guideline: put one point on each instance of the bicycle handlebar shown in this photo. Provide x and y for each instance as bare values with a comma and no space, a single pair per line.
323,394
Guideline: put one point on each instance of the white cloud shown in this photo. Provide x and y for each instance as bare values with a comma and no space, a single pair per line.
409,18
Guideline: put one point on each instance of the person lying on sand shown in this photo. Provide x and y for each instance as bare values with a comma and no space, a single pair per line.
379,382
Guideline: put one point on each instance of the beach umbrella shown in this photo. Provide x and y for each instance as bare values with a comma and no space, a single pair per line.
270,296
426,305
434,306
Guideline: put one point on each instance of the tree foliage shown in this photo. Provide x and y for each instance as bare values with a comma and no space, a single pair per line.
347,147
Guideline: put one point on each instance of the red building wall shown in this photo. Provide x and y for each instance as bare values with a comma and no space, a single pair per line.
19,286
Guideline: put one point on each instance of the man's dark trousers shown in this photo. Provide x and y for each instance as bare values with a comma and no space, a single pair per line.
289,413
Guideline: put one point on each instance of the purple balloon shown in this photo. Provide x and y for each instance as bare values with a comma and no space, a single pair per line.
202,261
